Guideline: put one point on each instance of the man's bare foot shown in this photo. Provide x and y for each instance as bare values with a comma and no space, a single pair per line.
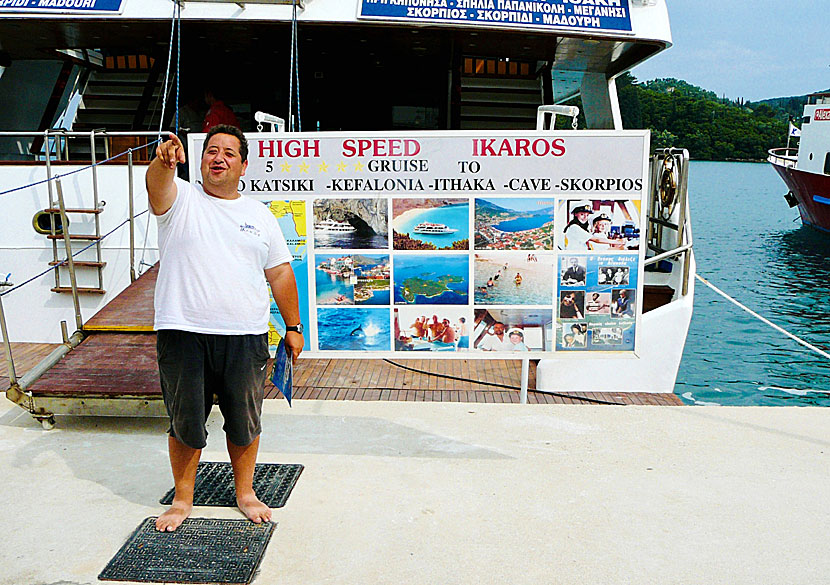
253,509
173,517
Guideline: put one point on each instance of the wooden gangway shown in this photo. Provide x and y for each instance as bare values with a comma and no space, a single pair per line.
113,371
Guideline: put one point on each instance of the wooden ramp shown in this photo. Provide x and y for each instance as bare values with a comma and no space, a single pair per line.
118,361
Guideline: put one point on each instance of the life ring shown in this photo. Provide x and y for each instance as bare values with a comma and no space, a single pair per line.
667,186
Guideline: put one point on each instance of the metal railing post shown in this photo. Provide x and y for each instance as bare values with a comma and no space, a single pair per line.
132,215
70,261
525,376
7,344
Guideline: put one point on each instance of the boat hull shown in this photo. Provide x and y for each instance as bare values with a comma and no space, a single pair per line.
812,192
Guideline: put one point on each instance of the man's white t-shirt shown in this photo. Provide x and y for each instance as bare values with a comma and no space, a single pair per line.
491,343
213,254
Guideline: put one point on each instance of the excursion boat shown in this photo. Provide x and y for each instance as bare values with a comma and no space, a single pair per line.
433,228
331,226
98,82
806,169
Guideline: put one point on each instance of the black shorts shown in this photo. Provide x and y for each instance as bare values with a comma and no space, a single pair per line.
195,366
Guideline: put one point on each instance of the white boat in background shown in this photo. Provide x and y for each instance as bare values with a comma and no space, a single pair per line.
96,88
433,228
331,226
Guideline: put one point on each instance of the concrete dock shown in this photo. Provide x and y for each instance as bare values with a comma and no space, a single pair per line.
415,493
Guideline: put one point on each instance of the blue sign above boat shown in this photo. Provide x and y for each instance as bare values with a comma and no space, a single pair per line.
593,15
83,6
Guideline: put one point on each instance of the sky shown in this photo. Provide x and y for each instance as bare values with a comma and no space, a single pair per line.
751,49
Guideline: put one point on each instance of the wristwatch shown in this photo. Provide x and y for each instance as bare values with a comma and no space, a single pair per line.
298,328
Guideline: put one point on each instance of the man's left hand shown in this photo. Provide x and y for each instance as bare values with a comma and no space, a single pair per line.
294,344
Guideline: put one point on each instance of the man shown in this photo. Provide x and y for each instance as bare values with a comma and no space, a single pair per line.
497,341
575,274
218,113
568,307
213,334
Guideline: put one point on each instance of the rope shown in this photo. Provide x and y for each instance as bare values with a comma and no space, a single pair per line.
767,321
493,384
112,158
294,72
175,20
51,268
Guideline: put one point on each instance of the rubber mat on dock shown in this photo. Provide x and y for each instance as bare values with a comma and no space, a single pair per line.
273,483
201,550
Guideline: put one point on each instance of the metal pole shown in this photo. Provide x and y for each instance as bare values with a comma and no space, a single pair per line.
79,322
525,376
132,215
8,346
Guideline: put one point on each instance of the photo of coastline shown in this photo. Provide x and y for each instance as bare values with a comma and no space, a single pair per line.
431,280
431,224
334,279
599,225
351,224
513,278
353,329
371,279
432,329
514,224
512,329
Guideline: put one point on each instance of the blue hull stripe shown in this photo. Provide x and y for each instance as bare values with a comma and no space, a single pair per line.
820,199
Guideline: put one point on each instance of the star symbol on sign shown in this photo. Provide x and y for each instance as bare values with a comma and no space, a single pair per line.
358,166
342,167
303,167
324,168
285,167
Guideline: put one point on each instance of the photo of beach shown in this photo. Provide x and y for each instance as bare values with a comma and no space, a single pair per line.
371,279
512,329
431,224
351,224
513,278
514,224
432,329
607,225
334,279
431,280
353,329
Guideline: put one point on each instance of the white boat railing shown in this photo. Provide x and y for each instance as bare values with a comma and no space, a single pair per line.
783,157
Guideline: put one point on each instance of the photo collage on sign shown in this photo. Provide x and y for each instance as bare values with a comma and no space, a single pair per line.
400,274
597,292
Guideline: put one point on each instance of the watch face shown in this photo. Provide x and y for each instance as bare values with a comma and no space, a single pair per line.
297,328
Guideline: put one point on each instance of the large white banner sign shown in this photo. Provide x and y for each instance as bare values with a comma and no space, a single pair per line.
458,243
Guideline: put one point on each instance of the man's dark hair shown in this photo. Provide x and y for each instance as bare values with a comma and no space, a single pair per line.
233,131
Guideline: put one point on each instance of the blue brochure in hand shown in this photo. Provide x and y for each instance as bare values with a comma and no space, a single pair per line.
283,374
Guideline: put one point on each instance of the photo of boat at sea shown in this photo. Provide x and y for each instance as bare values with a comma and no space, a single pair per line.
441,279
371,279
351,224
430,224
334,279
353,329
514,224
513,278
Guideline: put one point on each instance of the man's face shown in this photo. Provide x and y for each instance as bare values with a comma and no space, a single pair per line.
222,163
498,328
568,300
574,262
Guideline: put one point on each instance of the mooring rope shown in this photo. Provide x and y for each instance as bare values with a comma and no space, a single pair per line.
294,72
732,300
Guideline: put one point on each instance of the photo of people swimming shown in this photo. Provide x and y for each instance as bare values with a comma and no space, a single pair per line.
438,329
513,278
515,330
599,225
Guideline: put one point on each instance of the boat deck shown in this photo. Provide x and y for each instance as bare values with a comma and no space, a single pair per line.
117,360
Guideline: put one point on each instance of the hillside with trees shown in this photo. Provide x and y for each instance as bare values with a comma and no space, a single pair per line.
711,128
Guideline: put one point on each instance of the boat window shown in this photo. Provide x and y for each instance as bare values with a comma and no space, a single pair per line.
42,222
805,120
827,163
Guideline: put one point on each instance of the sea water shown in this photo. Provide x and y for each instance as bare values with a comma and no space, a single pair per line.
751,245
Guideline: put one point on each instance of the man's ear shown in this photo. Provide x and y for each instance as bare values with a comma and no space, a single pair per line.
244,168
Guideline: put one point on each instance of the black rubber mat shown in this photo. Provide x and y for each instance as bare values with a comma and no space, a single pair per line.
201,550
273,483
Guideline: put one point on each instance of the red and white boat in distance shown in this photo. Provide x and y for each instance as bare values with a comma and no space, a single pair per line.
806,169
